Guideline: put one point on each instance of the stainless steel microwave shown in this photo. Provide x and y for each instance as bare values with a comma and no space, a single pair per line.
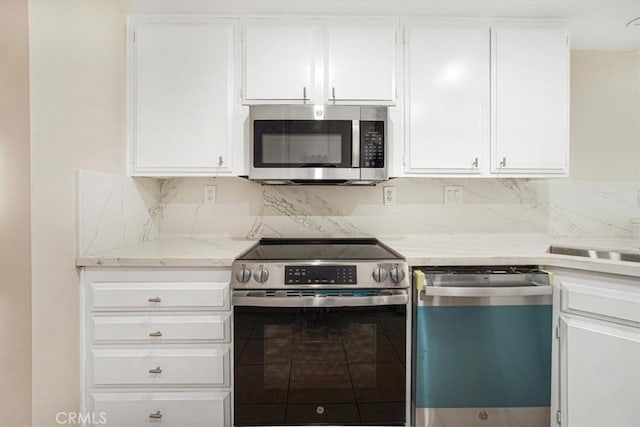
318,144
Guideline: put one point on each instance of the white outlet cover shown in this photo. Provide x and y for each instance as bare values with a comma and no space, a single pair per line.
209,195
389,195
453,194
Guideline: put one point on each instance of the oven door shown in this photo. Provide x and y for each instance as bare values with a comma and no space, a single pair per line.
308,357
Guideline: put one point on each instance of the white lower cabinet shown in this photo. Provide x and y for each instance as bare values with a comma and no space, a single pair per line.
600,369
161,329
167,409
203,367
599,358
157,347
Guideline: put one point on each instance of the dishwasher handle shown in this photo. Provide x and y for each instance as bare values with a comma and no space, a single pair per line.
483,292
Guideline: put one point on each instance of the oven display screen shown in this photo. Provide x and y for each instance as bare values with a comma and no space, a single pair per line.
320,274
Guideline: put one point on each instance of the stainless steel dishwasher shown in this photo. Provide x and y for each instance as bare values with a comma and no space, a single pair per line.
482,346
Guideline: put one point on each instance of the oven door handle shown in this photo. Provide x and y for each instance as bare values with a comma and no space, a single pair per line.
250,299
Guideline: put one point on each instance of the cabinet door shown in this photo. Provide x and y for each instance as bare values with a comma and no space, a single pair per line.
529,100
181,91
447,84
279,61
600,373
361,62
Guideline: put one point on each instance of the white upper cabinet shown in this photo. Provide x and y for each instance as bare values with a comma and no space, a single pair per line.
181,92
361,62
279,61
498,94
529,100
446,98
316,61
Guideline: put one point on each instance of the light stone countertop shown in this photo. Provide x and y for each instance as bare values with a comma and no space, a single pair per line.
440,250
511,249
170,252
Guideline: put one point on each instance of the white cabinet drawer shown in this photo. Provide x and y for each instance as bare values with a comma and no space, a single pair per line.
200,367
158,295
161,329
606,300
193,409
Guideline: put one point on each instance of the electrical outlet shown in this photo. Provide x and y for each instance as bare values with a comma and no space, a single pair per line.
209,195
389,195
452,194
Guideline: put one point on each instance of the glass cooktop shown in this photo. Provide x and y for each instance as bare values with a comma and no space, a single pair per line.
319,249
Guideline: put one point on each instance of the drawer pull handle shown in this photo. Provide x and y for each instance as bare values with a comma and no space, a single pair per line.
156,299
155,334
156,415
155,371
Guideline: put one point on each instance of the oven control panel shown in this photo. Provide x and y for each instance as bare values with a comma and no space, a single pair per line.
320,275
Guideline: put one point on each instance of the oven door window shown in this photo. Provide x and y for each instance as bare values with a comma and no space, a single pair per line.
302,143
320,366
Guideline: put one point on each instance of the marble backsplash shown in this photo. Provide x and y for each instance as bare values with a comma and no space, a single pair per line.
247,209
114,210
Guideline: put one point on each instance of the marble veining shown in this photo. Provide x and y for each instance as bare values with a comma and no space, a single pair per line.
304,208
592,209
116,210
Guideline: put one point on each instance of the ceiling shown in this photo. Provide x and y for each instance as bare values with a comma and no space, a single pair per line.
594,25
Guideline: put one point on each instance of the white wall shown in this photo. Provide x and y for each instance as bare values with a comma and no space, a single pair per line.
77,122
15,265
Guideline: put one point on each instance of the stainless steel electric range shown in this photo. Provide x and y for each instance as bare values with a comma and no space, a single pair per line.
320,333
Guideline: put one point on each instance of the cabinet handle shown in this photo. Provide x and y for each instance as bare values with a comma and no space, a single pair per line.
156,415
155,371
156,299
503,163
220,161
333,93
155,334
304,94
475,163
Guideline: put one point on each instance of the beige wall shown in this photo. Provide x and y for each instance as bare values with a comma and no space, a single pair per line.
15,266
77,122
605,112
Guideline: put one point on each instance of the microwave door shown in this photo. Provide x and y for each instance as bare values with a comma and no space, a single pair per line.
304,150
302,143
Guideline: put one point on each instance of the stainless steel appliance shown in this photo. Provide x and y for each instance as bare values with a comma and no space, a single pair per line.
482,346
318,144
320,334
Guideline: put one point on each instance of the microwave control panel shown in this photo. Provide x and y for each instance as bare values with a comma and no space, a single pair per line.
371,144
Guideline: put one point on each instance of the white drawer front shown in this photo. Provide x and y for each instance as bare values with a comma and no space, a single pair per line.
127,296
192,409
205,367
619,303
161,329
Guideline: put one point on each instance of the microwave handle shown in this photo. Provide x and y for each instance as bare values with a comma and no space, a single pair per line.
355,144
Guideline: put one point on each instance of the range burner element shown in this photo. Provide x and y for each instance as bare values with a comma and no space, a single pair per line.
325,263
